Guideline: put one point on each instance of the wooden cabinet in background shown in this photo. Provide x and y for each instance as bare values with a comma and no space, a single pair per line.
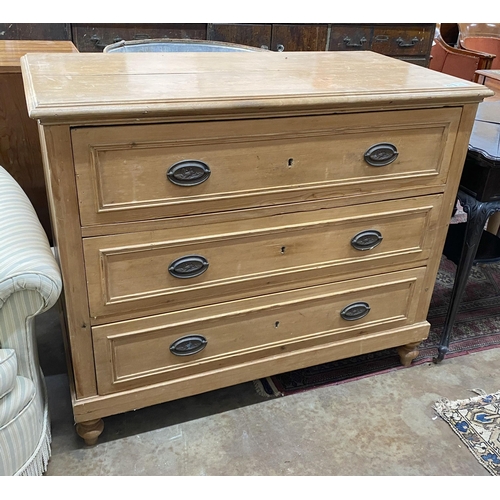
35,31
291,37
277,37
408,42
20,151
94,37
254,35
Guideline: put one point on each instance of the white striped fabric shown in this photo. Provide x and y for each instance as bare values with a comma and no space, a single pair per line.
30,283
17,399
26,260
8,371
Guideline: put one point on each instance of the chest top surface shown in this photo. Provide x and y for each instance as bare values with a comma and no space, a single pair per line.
99,87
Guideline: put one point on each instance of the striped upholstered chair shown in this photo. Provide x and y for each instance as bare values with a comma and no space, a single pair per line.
30,283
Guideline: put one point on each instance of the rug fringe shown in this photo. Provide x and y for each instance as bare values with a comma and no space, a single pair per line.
445,404
37,464
481,392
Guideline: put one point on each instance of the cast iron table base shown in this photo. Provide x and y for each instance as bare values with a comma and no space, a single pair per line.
465,256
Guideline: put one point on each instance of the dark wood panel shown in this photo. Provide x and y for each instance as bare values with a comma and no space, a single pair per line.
449,33
350,37
20,152
35,31
94,37
408,42
254,35
403,40
299,37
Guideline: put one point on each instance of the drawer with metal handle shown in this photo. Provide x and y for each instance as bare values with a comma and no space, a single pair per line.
144,172
163,270
398,41
150,350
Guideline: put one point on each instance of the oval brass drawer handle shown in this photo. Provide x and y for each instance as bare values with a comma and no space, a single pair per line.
367,240
381,154
188,266
355,311
188,173
188,345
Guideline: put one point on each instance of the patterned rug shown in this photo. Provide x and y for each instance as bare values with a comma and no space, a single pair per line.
476,421
477,328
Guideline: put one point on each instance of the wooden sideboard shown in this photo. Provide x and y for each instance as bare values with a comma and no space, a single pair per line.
216,225
408,41
20,151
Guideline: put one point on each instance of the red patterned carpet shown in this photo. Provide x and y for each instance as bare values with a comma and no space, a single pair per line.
477,328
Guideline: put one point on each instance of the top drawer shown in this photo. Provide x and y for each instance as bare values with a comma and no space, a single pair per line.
139,172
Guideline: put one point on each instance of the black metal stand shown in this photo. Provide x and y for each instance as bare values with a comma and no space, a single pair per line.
473,238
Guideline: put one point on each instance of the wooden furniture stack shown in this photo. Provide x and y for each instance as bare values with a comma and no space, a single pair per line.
407,41
20,151
221,217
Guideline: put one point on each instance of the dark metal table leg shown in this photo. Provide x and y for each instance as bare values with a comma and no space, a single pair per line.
478,213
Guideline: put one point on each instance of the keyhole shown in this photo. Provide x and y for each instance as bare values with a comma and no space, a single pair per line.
283,249
276,324
290,162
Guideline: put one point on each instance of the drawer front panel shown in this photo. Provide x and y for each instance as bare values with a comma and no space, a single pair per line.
354,37
94,37
184,267
137,353
401,41
133,173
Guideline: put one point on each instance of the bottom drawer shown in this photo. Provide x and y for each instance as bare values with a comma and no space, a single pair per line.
181,344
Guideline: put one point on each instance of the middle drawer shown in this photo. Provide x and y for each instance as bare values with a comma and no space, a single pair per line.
168,269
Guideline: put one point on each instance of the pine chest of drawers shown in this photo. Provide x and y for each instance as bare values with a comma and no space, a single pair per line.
223,217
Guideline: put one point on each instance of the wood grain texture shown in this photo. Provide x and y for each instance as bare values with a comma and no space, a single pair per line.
122,171
103,87
35,31
20,145
135,353
60,180
19,142
11,51
254,35
102,406
95,36
449,200
129,273
287,193
292,37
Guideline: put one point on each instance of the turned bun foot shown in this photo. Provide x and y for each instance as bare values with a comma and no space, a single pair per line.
407,353
90,430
